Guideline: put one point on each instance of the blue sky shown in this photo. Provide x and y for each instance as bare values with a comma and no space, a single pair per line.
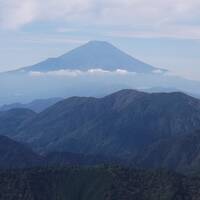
164,34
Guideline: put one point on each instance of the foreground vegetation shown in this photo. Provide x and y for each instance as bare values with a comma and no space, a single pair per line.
97,183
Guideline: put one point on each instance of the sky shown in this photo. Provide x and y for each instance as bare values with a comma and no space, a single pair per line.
165,34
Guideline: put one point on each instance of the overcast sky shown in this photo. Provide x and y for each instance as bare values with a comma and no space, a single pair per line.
163,33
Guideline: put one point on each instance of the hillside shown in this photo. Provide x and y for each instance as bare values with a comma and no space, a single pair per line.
17,155
180,153
75,159
150,130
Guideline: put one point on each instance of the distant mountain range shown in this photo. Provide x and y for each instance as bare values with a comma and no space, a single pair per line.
36,105
94,54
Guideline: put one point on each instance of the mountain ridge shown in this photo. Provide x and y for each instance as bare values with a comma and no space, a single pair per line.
148,129
120,123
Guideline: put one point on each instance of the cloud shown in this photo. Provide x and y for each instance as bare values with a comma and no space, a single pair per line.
170,18
72,73
76,73
123,72
14,13
158,71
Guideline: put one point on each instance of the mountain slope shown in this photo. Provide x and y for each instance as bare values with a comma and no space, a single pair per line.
178,153
94,54
14,155
97,183
73,159
17,155
120,124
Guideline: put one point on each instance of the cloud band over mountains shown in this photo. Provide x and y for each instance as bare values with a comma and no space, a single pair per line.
75,73
90,72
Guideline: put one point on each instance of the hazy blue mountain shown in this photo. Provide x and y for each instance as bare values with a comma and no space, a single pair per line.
94,54
120,124
36,105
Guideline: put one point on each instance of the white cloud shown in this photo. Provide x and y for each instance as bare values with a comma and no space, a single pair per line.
155,18
97,71
75,73
122,72
72,73
14,13
35,73
158,71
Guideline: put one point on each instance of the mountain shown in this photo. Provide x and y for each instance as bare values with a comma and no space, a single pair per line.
120,124
11,119
94,54
16,155
99,183
36,105
150,130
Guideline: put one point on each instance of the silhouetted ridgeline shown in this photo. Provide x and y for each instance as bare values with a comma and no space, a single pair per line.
150,130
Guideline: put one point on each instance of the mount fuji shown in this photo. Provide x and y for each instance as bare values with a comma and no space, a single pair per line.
96,68
93,55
